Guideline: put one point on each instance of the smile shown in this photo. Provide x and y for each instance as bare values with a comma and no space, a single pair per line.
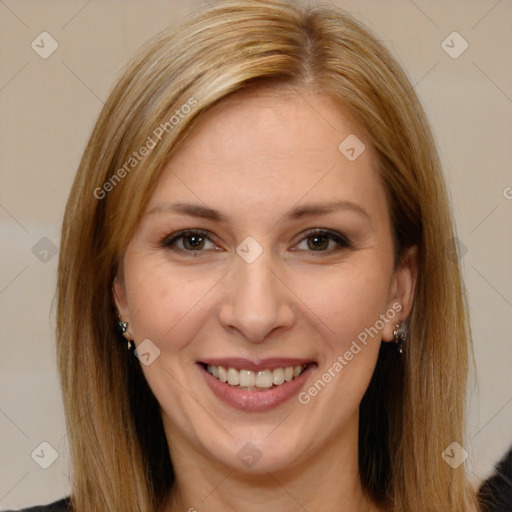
255,380
256,386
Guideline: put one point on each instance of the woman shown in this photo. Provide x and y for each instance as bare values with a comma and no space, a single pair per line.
261,212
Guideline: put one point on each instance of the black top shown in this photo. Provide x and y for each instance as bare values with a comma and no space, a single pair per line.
57,506
495,494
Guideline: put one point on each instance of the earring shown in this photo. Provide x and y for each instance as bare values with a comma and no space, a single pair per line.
400,335
123,327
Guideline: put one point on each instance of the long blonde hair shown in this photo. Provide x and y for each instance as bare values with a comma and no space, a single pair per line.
414,406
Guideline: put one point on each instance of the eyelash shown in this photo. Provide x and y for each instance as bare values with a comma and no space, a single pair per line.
342,241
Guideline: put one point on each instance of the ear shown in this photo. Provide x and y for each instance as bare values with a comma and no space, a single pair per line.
402,291
121,304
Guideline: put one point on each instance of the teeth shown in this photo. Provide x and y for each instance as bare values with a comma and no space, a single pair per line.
260,379
264,379
247,378
233,377
278,376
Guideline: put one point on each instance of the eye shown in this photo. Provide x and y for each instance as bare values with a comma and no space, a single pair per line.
189,240
196,241
319,240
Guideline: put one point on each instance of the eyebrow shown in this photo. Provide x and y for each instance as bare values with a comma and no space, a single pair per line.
299,212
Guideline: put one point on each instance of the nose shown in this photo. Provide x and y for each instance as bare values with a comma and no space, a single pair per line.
256,300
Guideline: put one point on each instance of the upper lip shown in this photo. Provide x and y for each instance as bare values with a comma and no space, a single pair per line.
271,363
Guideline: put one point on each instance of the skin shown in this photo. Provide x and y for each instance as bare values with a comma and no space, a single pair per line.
255,157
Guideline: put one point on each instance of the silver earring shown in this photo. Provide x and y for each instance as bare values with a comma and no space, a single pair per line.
400,335
123,327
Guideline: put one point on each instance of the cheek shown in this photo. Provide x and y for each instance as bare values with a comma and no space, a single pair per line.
347,299
159,300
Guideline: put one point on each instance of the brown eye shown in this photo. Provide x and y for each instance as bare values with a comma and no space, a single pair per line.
187,241
321,240
318,242
193,242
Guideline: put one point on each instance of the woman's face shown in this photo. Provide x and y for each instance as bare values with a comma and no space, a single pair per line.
286,291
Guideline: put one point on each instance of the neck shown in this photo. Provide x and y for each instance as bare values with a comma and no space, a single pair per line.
321,482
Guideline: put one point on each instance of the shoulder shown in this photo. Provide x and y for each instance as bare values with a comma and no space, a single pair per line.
495,493
57,506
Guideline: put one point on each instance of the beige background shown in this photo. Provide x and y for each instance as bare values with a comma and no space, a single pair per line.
48,109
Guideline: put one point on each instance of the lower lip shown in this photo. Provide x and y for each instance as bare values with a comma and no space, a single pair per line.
264,400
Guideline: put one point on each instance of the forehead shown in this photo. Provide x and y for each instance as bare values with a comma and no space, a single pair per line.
277,122
271,145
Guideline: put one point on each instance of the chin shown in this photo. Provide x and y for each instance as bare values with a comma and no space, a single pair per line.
260,451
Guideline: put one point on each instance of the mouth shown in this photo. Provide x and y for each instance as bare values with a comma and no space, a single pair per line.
260,380
256,386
